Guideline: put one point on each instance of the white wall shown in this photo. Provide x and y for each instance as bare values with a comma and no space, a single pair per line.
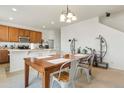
115,20
87,31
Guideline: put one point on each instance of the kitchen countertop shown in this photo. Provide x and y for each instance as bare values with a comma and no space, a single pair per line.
26,49
3,48
17,56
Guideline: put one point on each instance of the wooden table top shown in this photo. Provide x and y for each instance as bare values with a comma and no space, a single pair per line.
38,63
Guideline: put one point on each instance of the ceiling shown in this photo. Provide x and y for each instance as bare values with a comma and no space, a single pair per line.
36,16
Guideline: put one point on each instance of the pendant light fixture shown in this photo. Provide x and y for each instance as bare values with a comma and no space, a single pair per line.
67,16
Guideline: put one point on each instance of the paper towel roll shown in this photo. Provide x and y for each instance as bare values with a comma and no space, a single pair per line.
32,46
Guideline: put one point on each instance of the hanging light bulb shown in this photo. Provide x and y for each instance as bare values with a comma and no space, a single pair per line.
69,15
68,20
74,18
62,17
62,20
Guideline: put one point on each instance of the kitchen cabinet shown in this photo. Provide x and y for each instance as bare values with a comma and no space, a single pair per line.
24,33
32,37
38,37
3,33
13,34
35,37
21,32
4,58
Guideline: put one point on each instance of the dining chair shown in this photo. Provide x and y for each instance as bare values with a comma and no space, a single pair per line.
64,79
86,67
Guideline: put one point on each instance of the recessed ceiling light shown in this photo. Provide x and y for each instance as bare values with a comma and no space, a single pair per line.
44,26
14,9
52,22
10,18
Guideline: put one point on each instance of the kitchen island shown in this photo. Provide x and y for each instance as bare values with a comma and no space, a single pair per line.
17,56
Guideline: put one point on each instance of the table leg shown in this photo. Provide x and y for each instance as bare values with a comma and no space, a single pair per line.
46,80
26,75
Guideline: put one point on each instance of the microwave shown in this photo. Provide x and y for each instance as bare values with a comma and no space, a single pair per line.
24,39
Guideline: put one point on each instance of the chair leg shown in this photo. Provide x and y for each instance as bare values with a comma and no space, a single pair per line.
81,72
67,85
76,74
73,84
52,82
64,86
91,76
51,85
87,75
90,72
38,74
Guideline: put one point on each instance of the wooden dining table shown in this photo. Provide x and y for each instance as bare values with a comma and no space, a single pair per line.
43,66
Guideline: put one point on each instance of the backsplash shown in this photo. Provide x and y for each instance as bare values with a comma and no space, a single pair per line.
9,44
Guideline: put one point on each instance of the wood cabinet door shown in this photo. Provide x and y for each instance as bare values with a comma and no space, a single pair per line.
27,33
4,56
13,34
32,37
3,33
38,37
24,33
35,37
21,32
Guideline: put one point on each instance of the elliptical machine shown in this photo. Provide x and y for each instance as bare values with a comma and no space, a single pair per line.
98,60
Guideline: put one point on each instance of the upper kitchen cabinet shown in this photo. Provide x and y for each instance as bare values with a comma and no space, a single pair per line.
38,37
3,33
24,33
13,34
32,37
35,37
21,32
27,33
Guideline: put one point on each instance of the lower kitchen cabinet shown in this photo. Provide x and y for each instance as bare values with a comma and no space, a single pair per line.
4,57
